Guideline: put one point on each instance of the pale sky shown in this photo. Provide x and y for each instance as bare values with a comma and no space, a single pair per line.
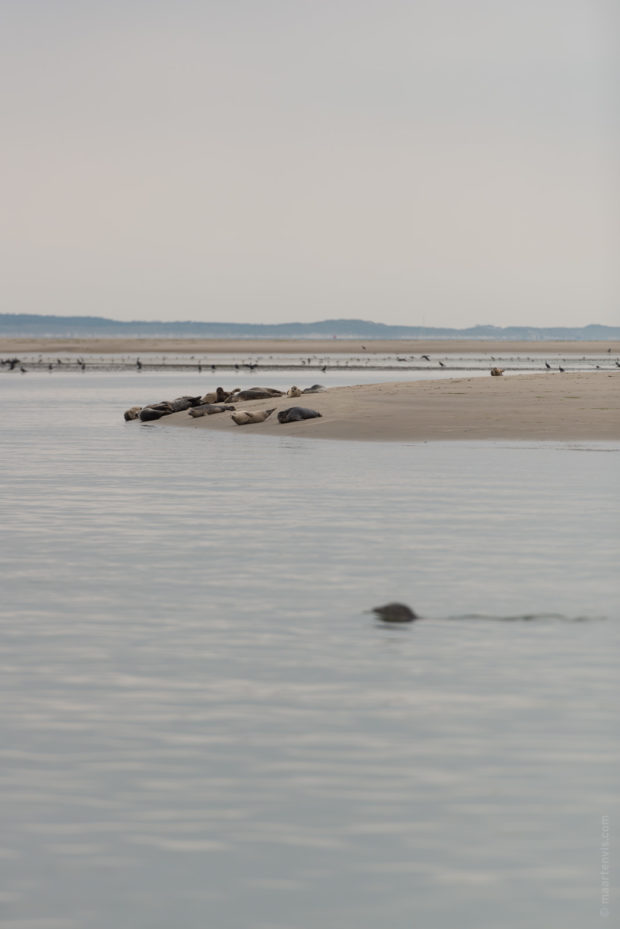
439,163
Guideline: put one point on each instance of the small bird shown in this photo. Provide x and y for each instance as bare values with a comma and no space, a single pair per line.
547,365
560,368
395,613
425,357
441,364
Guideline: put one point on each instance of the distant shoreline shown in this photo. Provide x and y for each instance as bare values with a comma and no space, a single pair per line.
271,346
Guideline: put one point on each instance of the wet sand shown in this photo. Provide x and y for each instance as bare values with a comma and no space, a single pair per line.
552,406
245,347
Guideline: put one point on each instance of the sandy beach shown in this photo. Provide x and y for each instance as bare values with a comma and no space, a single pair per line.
296,346
552,406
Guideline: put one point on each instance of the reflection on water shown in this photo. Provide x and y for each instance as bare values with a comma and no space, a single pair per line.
201,725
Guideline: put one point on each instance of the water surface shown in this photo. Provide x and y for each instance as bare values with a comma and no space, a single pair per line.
201,725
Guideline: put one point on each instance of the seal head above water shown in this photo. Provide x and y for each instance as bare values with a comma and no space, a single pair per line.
395,613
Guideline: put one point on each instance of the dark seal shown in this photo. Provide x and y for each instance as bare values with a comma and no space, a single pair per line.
166,407
295,413
395,613
255,393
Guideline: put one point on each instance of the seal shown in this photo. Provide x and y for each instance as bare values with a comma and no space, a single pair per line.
219,395
497,372
244,417
395,613
313,390
293,392
256,393
295,413
209,409
157,410
132,413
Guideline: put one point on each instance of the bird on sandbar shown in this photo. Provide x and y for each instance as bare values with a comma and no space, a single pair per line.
395,613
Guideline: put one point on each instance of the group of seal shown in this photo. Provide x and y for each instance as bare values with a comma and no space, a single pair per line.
163,408
219,401
291,415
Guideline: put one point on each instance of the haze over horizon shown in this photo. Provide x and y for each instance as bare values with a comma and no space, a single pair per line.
433,164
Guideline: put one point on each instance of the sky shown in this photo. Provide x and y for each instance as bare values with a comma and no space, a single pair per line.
437,163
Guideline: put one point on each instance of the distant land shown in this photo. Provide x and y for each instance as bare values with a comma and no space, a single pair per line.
24,325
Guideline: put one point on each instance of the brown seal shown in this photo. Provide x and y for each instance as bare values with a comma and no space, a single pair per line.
244,417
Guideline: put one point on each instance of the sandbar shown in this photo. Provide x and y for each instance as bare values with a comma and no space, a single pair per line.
551,406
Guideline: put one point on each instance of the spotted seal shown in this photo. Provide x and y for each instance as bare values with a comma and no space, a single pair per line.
245,417
295,413
209,409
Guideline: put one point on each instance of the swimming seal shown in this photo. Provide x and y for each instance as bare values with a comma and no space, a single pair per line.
295,413
244,417
395,613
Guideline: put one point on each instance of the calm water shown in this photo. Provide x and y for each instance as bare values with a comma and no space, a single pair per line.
201,727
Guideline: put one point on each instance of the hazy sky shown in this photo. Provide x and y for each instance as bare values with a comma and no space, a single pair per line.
441,162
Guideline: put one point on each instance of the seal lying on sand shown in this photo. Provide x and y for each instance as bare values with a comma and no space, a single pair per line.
256,393
157,410
294,413
497,372
244,417
395,613
132,413
209,409
217,396
313,390
165,407
293,392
